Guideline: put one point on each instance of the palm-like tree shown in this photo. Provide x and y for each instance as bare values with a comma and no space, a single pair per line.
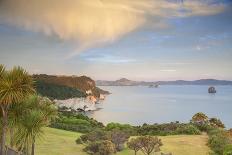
15,85
35,114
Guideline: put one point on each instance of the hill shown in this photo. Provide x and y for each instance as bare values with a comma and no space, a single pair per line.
74,84
54,91
126,82
61,142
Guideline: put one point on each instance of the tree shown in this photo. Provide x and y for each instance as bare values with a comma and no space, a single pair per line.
36,112
103,147
94,136
118,138
92,148
216,123
106,147
15,85
200,118
134,144
150,144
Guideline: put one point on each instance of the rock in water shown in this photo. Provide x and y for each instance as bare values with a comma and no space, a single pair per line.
212,90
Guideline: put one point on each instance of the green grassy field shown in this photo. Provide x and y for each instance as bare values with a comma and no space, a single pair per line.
60,142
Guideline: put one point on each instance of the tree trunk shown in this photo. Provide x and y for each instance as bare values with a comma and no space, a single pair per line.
11,137
33,147
4,130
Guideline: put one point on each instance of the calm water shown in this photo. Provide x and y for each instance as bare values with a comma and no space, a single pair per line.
139,104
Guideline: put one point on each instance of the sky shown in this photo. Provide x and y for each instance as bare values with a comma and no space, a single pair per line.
110,39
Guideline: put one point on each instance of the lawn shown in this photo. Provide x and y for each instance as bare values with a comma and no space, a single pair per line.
60,142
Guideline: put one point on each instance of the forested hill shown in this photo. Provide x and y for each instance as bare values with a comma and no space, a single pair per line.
54,91
65,86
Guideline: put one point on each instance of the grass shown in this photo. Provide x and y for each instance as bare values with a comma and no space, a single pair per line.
60,142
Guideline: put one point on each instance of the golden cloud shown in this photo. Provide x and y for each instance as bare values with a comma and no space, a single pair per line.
95,22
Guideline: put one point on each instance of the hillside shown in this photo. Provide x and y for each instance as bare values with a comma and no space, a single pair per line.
126,82
61,142
54,91
81,84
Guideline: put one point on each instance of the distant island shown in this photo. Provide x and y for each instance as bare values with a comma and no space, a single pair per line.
127,82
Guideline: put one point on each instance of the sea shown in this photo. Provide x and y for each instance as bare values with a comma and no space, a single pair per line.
168,103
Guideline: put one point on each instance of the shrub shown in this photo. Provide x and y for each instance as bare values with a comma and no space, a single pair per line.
117,137
79,141
92,148
216,123
127,128
104,147
94,136
218,140
189,129
228,150
75,122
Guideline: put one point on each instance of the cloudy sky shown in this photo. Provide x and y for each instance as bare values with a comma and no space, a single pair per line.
109,39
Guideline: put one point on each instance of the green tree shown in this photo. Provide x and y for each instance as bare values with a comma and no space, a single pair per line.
216,123
106,147
200,118
15,85
150,144
102,147
118,138
36,112
134,144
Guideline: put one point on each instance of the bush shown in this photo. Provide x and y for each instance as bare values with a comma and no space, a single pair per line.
92,148
173,128
218,140
228,150
94,136
104,147
127,128
189,129
79,141
75,122
117,137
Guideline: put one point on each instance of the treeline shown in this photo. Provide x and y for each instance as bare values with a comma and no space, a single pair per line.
72,121
220,140
54,91
78,122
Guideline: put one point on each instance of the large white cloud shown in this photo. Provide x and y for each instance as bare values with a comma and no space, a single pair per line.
95,22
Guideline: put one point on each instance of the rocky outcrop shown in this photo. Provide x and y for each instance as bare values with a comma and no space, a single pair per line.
212,90
78,104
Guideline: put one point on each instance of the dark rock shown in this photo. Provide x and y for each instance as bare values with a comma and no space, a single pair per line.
212,90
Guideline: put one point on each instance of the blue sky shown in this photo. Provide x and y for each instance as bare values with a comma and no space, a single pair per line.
151,46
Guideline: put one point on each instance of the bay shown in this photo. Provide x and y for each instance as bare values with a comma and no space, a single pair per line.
168,103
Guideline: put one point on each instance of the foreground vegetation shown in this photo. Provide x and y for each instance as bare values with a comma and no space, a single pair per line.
61,142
